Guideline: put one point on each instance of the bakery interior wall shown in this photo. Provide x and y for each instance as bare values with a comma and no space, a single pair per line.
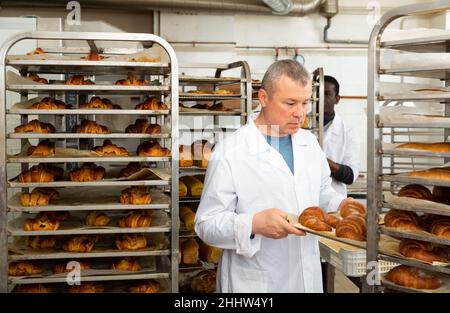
195,35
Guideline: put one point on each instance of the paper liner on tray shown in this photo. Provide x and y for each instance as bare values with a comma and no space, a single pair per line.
412,203
445,288
14,79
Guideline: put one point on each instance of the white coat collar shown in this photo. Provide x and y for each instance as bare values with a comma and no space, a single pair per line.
258,144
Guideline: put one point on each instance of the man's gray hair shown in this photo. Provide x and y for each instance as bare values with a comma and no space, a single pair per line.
292,69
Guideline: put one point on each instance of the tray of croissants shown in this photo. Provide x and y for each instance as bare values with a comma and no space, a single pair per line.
76,222
88,244
347,226
155,285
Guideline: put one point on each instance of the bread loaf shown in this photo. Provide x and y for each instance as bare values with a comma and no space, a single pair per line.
190,251
434,174
416,191
209,253
442,147
423,251
194,185
413,278
186,157
204,282
188,217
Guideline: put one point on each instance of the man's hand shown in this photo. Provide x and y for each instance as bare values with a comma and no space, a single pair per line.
273,223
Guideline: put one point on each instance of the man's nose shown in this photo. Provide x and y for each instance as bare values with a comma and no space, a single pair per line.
299,110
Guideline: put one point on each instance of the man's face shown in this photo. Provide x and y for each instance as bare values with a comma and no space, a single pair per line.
330,98
287,105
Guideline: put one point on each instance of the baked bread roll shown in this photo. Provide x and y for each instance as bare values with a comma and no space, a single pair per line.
402,220
90,127
43,149
40,174
62,267
36,51
423,251
126,264
136,195
131,81
135,219
80,243
433,173
131,168
152,149
152,286
93,56
352,227
209,253
40,223
204,282
151,103
201,150
131,242
35,126
188,217
416,191
194,185
332,220
86,288
352,207
441,194
49,103
41,242
87,172
79,80
441,227
182,189
33,288
35,77
142,126
314,218
413,278
96,218
59,216
24,268
39,196
110,149
186,156
99,104
190,251
443,147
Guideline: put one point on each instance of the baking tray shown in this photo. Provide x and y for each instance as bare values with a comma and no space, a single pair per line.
405,178
445,288
76,226
388,148
423,235
411,204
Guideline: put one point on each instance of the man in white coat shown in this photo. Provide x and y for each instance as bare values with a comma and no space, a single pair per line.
340,142
268,169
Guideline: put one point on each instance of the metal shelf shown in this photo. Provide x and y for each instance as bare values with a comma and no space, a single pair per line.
213,113
89,67
418,264
426,44
84,136
437,96
416,236
206,97
413,208
436,71
413,180
415,153
410,125
88,89
87,112
96,159
101,183
209,80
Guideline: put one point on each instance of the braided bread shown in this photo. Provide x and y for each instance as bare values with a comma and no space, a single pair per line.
186,156
314,218
41,222
126,264
40,174
95,218
151,103
110,149
413,278
136,195
49,103
35,126
79,80
416,191
62,267
131,81
87,172
142,126
402,220
441,228
135,219
41,242
152,149
352,227
98,103
33,288
441,194
43,149
80,243
130,242
90,127
35,77
23,268
422,250
152,286
86,288
352,207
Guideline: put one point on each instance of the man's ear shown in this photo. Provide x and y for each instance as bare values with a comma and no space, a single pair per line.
337,99
262,97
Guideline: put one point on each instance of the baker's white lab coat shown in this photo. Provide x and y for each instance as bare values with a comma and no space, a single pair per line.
246,175
341,145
